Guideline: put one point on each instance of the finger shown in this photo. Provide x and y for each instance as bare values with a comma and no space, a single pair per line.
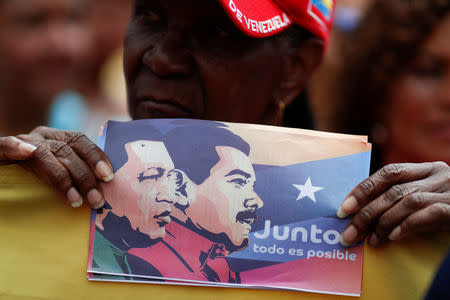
380,182
366,217
82,176
433,218
49,133
92,155
369,215
45,164
399,212
12,148
95,158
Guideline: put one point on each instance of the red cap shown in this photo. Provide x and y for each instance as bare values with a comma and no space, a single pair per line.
263,18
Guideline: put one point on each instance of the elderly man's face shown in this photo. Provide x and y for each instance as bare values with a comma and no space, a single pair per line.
187,59
150,189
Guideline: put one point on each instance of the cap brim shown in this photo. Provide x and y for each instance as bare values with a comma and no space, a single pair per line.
261,19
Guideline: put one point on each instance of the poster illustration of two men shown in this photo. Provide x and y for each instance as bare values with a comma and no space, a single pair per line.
209,203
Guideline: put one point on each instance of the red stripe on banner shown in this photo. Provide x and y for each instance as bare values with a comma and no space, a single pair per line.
321,274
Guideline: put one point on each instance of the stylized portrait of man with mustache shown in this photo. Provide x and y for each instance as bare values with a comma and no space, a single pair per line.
217,178
139,202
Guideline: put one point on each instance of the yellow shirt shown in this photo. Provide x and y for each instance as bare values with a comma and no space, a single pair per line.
44,248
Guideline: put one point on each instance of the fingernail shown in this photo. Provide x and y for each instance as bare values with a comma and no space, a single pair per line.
104,171
349,236
27,148
95,198
341,214
347,207
395,233
74,197
374,240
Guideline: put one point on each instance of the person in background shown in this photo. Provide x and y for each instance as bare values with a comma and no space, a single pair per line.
395,87
324,85
440,289
395,83
39,42
98,88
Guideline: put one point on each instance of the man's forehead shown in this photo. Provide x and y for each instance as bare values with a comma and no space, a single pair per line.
150,152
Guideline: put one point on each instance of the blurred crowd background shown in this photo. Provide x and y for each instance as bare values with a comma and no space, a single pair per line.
61,65
385,73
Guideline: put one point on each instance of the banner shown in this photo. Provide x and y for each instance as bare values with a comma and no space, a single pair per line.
223,204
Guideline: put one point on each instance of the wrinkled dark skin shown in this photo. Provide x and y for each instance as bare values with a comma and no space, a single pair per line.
64,159
190,61
415,197
176,67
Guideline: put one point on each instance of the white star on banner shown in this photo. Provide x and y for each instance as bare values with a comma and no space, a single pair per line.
307,190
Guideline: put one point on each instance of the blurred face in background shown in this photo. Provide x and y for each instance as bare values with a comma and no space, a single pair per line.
417,114
108,20
39,40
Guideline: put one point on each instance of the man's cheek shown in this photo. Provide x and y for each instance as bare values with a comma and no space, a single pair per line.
157,232
146,204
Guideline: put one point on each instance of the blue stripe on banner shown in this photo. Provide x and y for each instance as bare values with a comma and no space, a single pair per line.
300,204
336,177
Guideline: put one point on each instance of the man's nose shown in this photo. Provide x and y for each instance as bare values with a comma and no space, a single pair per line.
254,201
178,183
164,194
170,56
59,41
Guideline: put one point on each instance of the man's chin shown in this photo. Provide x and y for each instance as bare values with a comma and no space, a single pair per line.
147,241
157,234
223,238
237,246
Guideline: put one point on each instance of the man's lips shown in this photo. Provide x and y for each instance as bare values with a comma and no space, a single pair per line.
152,108
163,218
